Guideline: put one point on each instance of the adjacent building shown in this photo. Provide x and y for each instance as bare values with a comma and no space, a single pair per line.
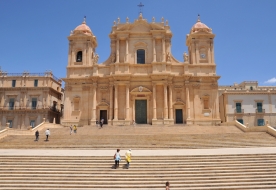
141,80
249,103
27,98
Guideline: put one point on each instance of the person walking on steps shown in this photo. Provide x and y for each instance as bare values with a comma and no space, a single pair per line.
117,159
47,133
128,158
102,122
75,129
167,185
71,130
36,135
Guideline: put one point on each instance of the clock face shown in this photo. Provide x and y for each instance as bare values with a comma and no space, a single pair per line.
202,55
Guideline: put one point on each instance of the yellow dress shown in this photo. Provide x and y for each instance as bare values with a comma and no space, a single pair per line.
128,157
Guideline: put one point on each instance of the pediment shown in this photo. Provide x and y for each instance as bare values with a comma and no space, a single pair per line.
156,26
141,28
140,89
140,44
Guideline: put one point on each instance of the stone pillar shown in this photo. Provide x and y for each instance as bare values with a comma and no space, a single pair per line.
73,59
163,51
117,50
170,102
111,102
126,50
84,55
116,103
94,102
48,101
197,56
69,54
165,102
127,102
154,101
154,50
188,103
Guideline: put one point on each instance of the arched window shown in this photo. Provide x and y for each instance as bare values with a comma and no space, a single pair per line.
251,88
140,56
79,56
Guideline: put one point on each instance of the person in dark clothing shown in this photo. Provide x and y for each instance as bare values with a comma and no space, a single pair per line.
36,135
102,122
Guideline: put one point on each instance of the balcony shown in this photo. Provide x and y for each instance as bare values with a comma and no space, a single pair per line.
260,111
12,108
239,111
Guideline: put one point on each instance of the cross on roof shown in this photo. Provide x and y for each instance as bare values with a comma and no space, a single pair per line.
140,6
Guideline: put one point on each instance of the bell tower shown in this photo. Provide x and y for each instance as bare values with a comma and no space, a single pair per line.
82,45
200,44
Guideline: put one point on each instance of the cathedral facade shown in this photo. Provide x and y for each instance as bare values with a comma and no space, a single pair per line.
141,81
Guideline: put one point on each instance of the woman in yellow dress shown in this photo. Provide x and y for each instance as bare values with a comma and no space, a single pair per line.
128,158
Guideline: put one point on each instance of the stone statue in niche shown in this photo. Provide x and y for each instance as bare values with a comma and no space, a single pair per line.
96,58
185,57
168,57
113,58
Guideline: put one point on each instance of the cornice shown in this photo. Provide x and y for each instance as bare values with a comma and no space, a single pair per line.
248,93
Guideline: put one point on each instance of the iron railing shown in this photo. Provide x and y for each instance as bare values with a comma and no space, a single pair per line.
260,111
239,111
45,74
12,108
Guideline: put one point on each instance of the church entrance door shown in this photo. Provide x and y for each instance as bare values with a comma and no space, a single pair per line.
141,111
103,115
178,116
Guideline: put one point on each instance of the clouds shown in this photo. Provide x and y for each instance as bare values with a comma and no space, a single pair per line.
271,81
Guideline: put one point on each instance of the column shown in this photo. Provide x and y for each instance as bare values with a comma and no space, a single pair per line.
153,50
212,52
127,102
165,102
110,101
163,51
170,102
209,54
73,59
126,50
94,102
188,103
48,104
154,101
196,53
117,51
89,55
84,55
69,54
116,103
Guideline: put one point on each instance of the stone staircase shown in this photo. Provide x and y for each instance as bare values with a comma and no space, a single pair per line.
253,171
146,137
187,171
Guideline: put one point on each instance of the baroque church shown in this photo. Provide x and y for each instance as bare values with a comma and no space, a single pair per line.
141,81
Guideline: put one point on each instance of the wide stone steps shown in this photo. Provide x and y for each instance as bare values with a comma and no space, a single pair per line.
183,141
252,171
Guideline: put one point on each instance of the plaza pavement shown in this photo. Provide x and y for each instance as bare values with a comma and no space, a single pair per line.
155,152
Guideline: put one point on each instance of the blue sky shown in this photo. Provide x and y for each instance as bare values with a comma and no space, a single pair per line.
34,32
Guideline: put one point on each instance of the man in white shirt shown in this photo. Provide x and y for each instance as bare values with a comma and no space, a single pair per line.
47,133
